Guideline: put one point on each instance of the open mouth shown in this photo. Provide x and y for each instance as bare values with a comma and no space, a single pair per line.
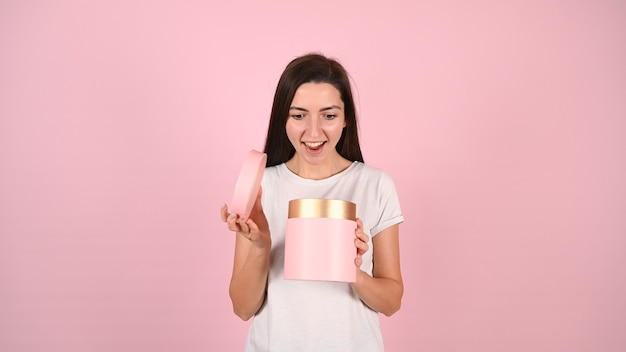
314,146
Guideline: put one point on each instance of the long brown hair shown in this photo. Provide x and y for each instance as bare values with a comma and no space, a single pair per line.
310,68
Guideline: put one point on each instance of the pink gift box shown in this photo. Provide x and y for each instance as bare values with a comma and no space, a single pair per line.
319,240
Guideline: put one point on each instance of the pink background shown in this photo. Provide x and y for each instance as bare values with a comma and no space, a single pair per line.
123,125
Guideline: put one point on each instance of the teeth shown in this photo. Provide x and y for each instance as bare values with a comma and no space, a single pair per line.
313,144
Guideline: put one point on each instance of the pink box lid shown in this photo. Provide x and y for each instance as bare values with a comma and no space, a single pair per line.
248,183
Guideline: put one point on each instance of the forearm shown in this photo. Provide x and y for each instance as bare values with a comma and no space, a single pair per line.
383,295
248,285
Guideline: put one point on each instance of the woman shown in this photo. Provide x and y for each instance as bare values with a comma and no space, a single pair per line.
313,152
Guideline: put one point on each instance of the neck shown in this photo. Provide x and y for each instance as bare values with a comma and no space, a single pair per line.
317,171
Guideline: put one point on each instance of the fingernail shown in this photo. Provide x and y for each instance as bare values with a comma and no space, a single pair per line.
232,215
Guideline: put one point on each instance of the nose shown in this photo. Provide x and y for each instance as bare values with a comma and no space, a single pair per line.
314,127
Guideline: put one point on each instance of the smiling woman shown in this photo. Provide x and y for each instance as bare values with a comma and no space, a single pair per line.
313,152
298,79
314,128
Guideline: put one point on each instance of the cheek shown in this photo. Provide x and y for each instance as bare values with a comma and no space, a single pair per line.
292,131
337,130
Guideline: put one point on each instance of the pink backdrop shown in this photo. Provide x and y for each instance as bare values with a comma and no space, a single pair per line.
123,125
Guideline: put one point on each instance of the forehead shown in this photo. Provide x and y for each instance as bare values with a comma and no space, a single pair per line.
317,93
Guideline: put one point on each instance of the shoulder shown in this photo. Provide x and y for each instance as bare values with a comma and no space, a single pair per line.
371,172
273,175
272,170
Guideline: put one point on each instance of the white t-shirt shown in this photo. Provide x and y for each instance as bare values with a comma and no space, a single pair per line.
315,315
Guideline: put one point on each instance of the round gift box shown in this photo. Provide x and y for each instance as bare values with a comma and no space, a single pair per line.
319,240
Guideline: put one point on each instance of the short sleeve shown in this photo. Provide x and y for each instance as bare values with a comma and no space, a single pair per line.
388,203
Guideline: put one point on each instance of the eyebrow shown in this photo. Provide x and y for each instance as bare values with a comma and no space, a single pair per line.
322,109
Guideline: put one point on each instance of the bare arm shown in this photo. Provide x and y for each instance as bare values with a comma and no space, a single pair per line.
382,292
251,263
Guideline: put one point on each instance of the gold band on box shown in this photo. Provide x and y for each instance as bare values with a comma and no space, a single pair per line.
322,208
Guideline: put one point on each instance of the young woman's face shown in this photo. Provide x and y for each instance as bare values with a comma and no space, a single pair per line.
316,120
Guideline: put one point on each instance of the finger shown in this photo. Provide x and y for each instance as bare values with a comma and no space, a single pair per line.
232,222
363,237
224,212
252,226
361,246
359,232
364,247
359,224
243,225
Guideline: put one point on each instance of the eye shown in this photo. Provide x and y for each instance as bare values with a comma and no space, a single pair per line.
297,116
330,116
